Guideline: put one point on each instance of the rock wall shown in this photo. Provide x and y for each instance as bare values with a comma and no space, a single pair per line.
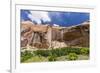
46,36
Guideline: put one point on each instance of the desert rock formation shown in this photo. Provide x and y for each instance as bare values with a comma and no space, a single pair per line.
46,36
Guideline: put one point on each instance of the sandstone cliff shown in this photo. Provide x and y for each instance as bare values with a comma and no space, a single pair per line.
46,36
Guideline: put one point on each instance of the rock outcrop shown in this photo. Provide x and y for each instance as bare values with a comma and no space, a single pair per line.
46,36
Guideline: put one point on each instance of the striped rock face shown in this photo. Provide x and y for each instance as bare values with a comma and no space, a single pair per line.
34,35
46,36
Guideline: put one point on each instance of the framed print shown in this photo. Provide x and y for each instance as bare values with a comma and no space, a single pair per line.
49,36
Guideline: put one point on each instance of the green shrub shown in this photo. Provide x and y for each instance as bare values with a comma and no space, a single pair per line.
72,56
44,53
85,51
65,51
73,50
59,51
55,52
26,55
52,58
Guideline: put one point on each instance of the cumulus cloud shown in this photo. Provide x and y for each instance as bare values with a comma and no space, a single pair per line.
37,16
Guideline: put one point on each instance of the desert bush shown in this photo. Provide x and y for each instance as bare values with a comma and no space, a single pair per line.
72,50
52,54
44,53
72,56
26,55
52,58
61,51
58,52
85,51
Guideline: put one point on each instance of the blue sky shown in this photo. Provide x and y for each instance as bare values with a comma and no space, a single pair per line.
54,18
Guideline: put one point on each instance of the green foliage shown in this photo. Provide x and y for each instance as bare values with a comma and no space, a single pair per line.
85,51
52,54
56,52
52,58
72,56
71,50
25,55
44,53
59,51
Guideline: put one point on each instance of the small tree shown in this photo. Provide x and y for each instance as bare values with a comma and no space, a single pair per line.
85,51
72,56
52,58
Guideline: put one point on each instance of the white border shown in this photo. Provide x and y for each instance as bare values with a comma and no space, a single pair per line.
15,60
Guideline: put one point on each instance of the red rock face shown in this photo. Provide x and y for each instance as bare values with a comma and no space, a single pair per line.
37,35
34,35
78,36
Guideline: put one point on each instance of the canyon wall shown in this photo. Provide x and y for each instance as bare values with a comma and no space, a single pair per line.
46,36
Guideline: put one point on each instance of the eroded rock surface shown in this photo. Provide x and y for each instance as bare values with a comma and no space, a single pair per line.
46,36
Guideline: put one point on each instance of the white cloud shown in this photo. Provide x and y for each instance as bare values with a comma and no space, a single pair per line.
37,20
56,25
37,16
